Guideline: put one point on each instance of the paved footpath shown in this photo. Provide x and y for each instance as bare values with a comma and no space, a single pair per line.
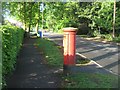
104,54
31,72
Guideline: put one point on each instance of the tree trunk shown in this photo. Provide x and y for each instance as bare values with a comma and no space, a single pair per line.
2,20
24,16
37,28
1,16
114,18
30,15
37,25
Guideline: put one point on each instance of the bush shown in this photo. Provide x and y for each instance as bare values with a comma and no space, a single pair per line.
11,42
96,33
108,37
117,39
83,29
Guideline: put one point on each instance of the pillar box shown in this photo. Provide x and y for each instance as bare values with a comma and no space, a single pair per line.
69,43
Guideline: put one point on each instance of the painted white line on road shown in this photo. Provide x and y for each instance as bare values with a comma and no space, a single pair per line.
97,64
89,59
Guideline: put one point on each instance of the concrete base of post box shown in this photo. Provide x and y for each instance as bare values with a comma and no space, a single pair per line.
68,69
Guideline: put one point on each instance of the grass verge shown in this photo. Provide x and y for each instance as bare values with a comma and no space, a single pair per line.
81,60
95,80
52,53
54,57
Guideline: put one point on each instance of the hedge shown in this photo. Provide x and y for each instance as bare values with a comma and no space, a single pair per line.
12,38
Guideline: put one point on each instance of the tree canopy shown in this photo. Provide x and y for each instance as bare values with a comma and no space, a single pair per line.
56,15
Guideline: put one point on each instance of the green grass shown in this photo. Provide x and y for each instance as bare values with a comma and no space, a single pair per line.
54,57
83,61
0,59
0,68
95,80
52,53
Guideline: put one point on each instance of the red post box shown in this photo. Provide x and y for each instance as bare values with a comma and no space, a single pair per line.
69,43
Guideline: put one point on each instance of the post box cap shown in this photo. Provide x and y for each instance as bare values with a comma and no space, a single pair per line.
69,29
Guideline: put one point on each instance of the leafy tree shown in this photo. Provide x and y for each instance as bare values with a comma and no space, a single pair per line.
24,12
97,15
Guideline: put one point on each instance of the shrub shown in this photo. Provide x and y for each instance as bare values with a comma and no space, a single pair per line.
117,39
108,37
96,33
11,42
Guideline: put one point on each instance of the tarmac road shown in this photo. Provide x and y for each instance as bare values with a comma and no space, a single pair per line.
105,54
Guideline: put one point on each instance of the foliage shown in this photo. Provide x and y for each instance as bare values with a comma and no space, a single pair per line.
56,15
108,37
59,15
0,59
26,12
117,39
52,53
11,42
99,15
95,33
103,17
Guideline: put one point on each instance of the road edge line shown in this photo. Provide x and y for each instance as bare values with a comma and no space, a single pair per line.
97,64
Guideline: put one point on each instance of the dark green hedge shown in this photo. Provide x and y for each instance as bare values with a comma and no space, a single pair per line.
12,38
